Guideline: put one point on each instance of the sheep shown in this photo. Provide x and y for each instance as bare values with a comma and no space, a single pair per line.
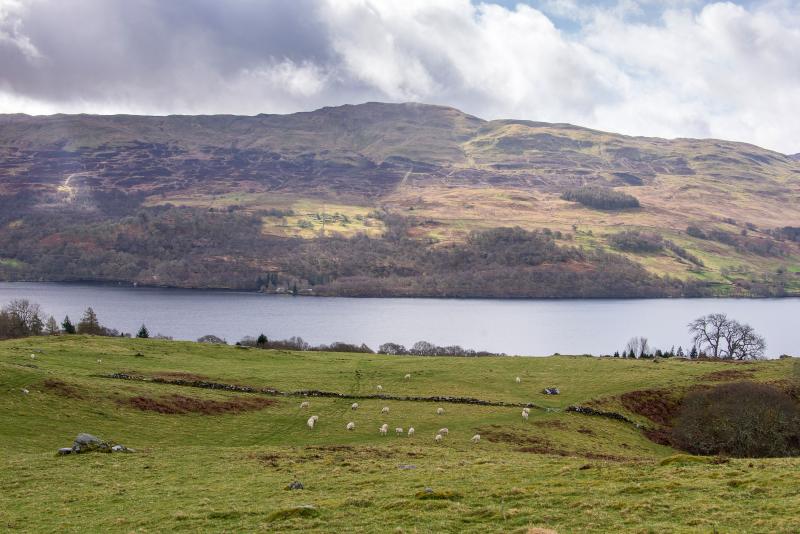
33,356
384,429
439,411
304,404
438,438
408,376
444,431
315,418
526,409
385,409
24,391
398,430
410,431
311,422
99,360
379,387
476,438
354,406
519,380
351,426
525,415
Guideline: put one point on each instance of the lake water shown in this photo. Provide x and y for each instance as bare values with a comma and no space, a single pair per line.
528,327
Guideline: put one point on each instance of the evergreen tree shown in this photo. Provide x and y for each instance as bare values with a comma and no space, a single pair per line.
261,341
143,332
89,323
616,354
67,325
680,353
693,354
632,354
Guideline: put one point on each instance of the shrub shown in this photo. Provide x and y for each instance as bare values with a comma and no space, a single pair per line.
603,198
635,241
743,419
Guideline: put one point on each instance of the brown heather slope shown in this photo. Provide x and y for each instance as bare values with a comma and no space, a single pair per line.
348,170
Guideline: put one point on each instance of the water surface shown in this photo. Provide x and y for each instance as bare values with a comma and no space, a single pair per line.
529,327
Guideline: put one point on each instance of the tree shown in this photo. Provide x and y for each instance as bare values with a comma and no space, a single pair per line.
726,338
638,346
261,341
693,353
67,325
26,316
143,332
680,353
52,327
392,348
89,324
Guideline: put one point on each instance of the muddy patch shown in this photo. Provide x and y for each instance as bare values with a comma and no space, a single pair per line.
62,389
728,375
180,405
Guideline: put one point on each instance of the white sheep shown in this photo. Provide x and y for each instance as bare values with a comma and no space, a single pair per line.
379,388
99,360
408,376
304,404
519,380
351,426
476,438
384,429
439,411
315,418
354,406
311,422
526,410
398,430
438,438
33,356
385,409
24,391
410,431
444,431
525,415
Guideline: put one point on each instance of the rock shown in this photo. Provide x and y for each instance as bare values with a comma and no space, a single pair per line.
407,466
63,451
89,443
551,391
296,485
428,490
120,448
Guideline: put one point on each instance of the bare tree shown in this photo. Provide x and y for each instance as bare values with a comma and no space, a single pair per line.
726,338
638,346
27,314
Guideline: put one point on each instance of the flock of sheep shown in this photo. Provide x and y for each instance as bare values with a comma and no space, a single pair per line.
384,429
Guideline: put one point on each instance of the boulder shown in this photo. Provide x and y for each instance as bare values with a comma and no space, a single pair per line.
296,485
551,391
63,451
89,443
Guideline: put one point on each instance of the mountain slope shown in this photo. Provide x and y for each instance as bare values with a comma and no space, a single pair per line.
431,173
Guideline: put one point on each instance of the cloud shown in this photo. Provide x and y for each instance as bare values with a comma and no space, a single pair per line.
676,68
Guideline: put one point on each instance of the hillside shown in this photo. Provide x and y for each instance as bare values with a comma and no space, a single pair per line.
290,198
210,459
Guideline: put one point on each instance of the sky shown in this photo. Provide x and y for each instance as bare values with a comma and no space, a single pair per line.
670,68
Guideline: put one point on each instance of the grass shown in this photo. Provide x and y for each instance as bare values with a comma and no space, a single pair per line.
229,472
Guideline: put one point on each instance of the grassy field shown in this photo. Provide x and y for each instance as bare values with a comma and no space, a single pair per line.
210,460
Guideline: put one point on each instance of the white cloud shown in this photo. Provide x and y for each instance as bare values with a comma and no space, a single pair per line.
676,68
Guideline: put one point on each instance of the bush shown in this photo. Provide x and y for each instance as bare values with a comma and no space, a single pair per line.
603,198
744,419
635,241
694,231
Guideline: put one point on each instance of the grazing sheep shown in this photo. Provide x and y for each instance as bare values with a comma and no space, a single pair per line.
385,409
525,415
526,410
315,418
410,431
351,426
24,391
354,406
438,438
443,431
476,438
99,361
439,411
398,430
33,356
304,404
311,422
408,376
379,388
519,380
384,429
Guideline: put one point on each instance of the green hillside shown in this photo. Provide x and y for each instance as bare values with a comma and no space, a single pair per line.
78,190
216,460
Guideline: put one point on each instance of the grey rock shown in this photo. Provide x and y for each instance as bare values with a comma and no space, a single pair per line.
407,466
551,391
296,485
63,451
89,443
428,490
119,448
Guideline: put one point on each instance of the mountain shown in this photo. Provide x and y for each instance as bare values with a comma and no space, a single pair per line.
294,197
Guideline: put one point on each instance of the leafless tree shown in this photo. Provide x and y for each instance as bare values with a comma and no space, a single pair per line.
722,337
639,346
28,314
